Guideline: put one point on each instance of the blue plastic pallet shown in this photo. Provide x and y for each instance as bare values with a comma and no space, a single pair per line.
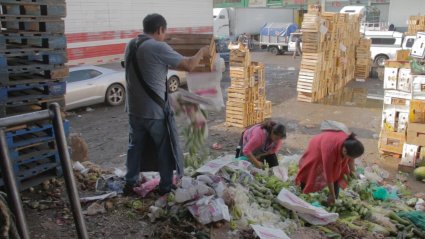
33,24
31,92
32,135
29,106
32,76
10,42
33,57
27,9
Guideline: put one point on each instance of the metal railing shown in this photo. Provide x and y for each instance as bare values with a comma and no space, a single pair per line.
54,114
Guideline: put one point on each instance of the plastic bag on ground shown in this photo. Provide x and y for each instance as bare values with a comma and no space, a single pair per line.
416,217
313,215
209,209
207,85
213,166
149,186
191,189
269,233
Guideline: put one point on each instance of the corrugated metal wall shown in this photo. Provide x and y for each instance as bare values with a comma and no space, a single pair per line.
98,30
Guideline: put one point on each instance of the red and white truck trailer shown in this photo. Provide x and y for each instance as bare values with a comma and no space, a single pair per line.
98,30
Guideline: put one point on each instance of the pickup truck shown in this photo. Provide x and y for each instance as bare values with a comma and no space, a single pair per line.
275,36
385,45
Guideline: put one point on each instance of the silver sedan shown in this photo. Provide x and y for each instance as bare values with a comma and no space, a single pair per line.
89,85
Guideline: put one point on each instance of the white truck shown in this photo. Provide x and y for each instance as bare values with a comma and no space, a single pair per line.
97,31
385,45
232,22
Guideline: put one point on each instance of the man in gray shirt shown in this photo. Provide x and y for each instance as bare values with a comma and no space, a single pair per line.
148,120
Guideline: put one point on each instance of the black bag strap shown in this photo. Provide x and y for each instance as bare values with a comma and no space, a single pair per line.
134,46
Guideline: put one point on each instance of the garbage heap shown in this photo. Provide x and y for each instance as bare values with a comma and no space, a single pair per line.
32,72
330,42
246,96
403,117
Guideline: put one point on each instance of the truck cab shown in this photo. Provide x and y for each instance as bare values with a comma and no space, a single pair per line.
385,45
221,22
292,45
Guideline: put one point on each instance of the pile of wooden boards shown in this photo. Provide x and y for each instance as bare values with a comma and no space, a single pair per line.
246,97
32,75
403,118
189,44
416,24
363,59
330,42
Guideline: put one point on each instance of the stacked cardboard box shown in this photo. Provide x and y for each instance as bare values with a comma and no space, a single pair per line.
32,73
246,103
416,24
403,121
329,54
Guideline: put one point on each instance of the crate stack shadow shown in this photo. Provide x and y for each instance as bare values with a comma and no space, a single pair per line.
246,97
32,73
331,45
403,118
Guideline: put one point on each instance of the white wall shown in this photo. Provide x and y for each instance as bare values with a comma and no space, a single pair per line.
401,10
113,15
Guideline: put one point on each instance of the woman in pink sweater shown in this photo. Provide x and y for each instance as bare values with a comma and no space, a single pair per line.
261,142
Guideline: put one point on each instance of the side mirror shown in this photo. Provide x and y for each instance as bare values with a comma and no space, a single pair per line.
123,64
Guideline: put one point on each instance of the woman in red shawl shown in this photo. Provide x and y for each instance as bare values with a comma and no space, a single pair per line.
329,156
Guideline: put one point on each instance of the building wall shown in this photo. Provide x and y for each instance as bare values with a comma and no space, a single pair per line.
401,10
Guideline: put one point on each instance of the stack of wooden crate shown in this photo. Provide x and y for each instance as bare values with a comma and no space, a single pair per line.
363,59
189,44
246,98
416,24
32,72
329,53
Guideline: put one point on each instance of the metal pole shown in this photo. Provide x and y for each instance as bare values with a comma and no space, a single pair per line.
11,188
65,159
25,118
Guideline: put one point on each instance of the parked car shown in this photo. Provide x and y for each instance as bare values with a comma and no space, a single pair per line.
89,85
175,80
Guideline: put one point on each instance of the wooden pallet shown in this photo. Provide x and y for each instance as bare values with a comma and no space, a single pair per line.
189,44
33,24
34,9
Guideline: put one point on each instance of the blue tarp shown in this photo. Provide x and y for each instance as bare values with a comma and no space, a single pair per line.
278,29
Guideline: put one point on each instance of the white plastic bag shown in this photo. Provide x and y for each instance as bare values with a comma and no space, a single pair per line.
209,209
269,233
191,189
313,215
207,85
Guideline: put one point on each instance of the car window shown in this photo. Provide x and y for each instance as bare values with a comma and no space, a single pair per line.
383,41
81,75
410,42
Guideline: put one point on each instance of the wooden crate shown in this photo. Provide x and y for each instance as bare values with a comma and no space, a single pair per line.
403,55
392,142
241,95
268,110
189,44
257,74
417,111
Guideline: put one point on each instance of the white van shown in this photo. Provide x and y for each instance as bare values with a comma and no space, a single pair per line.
385,44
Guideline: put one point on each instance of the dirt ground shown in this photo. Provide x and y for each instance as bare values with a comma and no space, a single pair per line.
106,131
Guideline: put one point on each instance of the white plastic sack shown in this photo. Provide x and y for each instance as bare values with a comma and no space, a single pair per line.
192,189
281,173
213,166
269,233
207,85
209,209
313,215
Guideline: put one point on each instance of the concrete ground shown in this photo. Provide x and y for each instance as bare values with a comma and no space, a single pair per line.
106,128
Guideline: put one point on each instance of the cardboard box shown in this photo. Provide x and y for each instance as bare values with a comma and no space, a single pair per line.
420,162
404,80
416,134
418,48
389,119
418,91
410,153
417,111
390,78
397,94
403,118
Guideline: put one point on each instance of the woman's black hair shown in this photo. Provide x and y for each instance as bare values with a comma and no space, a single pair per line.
275,128
353,146
153,23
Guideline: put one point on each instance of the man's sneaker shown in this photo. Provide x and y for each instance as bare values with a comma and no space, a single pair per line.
128,190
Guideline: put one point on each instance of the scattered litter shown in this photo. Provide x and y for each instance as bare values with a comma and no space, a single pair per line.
98,197
269,233
89,109
94,209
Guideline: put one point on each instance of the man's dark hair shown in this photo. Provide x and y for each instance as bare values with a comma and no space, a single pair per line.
153,23
353,146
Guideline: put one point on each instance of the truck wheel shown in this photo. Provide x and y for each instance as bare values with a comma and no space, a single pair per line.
274,50
380,60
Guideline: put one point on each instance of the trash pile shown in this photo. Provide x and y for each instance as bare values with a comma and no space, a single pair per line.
267,202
